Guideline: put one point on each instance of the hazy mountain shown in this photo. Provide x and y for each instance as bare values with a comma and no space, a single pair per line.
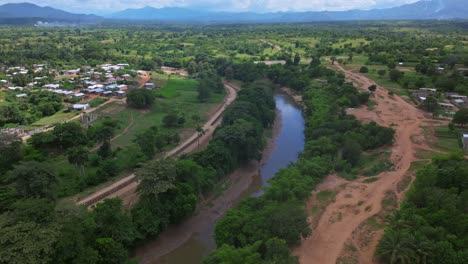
430,9
29,11
426,9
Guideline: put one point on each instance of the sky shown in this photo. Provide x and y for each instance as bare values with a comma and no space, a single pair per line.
108,6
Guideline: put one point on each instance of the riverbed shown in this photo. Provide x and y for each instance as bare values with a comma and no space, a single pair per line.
197,233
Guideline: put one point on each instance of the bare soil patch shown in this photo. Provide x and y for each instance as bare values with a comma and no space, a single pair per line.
360,205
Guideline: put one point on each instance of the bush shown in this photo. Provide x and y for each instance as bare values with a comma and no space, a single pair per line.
364,69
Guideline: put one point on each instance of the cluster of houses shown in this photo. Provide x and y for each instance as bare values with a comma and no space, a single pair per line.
457,99
454,98
100,81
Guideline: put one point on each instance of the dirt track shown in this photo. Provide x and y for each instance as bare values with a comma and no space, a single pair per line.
125,188
355,201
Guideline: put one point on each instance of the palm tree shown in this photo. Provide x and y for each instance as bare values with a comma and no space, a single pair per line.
397,247
200,132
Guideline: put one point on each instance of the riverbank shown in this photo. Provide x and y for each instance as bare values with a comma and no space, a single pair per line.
298,99
194,237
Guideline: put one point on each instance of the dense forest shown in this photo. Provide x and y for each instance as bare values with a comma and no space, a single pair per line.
432,224
71,234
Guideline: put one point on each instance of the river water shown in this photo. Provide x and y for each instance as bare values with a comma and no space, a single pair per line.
288,143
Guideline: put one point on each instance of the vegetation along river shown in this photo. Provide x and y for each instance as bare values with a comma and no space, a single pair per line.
288,142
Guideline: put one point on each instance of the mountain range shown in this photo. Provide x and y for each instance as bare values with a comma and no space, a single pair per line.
426,9
30,12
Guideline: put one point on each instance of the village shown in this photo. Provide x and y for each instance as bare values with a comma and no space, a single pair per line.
82,90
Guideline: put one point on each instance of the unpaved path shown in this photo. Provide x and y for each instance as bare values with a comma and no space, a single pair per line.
118,135
125,188
144,78
356,201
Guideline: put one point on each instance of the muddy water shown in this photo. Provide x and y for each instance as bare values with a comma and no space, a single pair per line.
287,144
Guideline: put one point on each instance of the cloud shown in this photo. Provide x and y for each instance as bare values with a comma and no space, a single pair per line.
89,6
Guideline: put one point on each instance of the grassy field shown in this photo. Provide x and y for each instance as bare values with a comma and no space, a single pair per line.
97,102
446,141
177,95
58,117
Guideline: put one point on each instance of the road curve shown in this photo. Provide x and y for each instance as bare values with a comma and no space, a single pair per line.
189,145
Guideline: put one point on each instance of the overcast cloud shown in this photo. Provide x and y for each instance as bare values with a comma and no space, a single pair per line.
90,6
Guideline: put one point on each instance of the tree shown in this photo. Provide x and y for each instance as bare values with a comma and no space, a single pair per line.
333,59
156,176
113,222
26,242
397,247
350,56
395,75
381,73
461,117
110,251
364,69
229,73
203,92
297,59
430,104
105,150
391,65
171,120
140,98
78,156
70,134
229,254
372,88
10,150
34,180
351,152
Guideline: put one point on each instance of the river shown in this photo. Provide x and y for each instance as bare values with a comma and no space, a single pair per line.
289,141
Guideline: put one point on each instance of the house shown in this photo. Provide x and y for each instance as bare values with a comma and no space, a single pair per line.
430,91
149,85
52,86
126,76
79,95
122,87
81,107
21,95
106,93
120,93
96,91
273,62
111,87
459,102
465,142
73,72
446,106
15,88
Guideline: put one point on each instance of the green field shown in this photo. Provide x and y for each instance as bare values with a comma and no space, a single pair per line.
446,140
177,95
58,117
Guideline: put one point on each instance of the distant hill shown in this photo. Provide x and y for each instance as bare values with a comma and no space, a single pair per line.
29,11
425,9
430,9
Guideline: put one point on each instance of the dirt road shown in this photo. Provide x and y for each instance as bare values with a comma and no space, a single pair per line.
339,226
144,78
125,188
